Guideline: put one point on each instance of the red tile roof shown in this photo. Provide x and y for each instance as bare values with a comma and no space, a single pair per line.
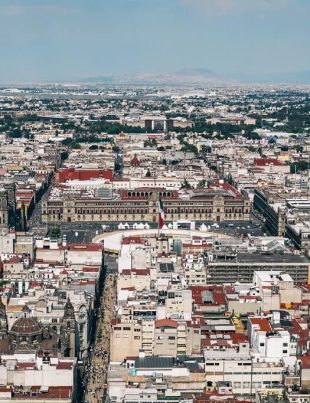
132,240
66,174
263,324
217,293
266,161
91,247
166,323
305,361
64,365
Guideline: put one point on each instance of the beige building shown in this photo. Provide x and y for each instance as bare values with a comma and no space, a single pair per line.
142,205
240,371
125,340
24,244
166,338
139,279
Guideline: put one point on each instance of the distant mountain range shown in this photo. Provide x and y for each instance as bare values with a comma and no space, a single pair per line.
301,77
201,76
185,76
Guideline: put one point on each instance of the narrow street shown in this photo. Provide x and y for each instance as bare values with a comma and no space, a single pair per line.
34,222
98,362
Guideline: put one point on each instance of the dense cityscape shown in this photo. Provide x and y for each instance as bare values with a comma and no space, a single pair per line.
155,243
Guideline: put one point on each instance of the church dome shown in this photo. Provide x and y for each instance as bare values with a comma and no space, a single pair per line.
26,327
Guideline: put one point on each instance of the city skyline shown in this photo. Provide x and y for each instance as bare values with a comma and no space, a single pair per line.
73,40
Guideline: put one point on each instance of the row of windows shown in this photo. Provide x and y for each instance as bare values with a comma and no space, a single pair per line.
162,194
114,204
229,207
139,211
113,211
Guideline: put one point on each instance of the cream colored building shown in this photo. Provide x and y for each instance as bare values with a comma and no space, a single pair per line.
139,279
125,340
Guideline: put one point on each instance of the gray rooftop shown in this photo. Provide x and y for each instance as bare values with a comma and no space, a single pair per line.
154,362
259,258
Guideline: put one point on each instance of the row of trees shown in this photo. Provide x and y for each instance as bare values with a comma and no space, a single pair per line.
299,166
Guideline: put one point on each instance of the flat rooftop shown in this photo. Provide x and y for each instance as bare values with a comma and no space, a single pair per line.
258,258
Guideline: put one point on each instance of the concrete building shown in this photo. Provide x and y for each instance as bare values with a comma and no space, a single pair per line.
237,368
229,267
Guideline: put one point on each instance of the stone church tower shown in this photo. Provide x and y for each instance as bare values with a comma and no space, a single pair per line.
69,345
3,321
4,211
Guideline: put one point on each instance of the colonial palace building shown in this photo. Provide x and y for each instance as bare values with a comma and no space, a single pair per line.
218,203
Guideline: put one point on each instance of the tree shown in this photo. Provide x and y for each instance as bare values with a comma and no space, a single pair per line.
181,138
185,185
150,143
93,147
116,149
16,133
55,231
76,146
67,142
251,136
202,184
299,166
64,155
205,149
189,148
117,166
272,140
148,174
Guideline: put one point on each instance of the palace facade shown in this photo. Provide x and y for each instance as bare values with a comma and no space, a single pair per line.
142,205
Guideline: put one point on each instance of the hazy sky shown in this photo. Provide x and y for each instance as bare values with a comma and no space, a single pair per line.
70,39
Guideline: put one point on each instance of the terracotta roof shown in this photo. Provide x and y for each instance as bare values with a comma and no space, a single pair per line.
132,239
166,323
64,365
263,324
305,361
25,365
266,161
91,269
91,247
238,338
